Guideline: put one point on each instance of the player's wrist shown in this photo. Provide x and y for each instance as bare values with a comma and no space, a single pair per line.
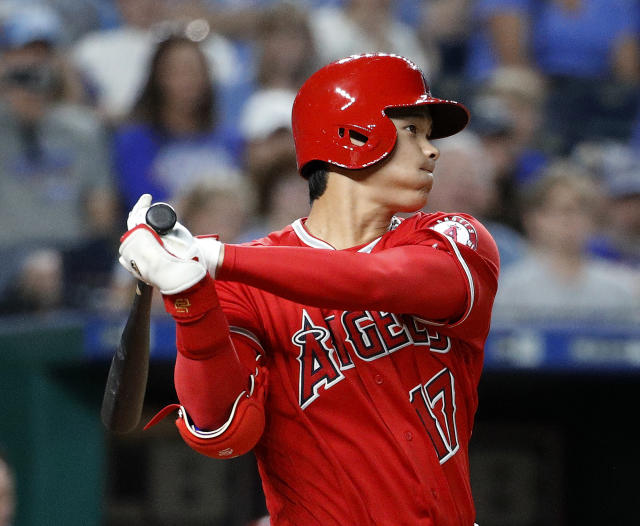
193,303
202,330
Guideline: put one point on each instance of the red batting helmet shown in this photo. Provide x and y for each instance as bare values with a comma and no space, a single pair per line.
349,97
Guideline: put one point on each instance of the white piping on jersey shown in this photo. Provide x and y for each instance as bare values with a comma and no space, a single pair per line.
472,290
314,242
246,334
369,247
307,238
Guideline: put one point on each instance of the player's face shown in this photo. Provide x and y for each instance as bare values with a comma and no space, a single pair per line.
406,177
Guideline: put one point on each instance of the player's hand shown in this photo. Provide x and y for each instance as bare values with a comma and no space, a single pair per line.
144,254
137,215
179,240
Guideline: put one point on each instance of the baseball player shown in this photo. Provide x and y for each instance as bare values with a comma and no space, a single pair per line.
344,350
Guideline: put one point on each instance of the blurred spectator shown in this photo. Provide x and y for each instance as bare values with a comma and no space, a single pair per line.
115,60
635,134
216,206
38,287
285,48
466,183
523,92
446,24
285,58
288,200
36,23
619,169
54,160
239,18
7,493
367,26
578,38
508,114
172,138
78,16
500,37
266,127
587,49
282,195
557,279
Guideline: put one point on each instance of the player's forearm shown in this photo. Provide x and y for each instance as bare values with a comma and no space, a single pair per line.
208,374
208,388
397,280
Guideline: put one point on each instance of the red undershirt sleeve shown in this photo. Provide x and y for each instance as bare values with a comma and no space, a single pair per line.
414,279
208,374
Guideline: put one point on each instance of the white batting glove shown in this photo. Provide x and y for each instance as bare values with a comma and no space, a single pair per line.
143,253
212,252
138,213
179,240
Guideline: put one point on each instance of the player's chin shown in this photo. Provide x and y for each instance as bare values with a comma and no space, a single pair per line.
415,201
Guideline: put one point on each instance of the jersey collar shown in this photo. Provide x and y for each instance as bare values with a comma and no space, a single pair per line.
311,241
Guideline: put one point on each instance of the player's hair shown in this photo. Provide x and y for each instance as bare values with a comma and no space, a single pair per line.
316,174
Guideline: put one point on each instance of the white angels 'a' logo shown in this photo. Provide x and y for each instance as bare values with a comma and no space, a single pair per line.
458,229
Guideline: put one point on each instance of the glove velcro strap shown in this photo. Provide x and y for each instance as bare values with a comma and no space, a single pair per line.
193,303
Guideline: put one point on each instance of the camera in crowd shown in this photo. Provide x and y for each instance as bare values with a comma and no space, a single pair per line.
36,78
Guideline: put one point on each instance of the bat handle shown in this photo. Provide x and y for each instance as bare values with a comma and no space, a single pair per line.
161,217
123,399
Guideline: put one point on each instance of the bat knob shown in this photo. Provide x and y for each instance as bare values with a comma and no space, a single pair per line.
161,217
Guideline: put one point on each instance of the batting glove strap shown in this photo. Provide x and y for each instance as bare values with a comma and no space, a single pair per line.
210,248
143,253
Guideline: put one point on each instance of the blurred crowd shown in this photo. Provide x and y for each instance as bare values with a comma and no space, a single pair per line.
190,100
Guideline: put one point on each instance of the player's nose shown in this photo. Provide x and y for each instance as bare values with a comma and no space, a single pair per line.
430,151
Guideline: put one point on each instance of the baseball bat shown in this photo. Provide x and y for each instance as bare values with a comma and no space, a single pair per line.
127,379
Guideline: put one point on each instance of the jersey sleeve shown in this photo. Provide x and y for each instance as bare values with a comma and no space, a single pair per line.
476,255
244,322
419,271
417,280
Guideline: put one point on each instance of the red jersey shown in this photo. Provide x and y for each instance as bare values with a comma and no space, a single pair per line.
368,413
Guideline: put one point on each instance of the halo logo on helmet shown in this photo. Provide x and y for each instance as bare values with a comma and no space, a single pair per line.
339,113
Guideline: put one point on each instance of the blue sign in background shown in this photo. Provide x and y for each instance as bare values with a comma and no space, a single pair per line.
562,346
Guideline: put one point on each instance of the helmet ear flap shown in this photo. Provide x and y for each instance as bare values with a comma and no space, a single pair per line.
355,137
366,145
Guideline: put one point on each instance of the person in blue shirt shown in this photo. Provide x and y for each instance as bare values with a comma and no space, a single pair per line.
588,49
172,137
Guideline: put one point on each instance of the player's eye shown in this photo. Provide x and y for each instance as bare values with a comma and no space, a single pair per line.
411,128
